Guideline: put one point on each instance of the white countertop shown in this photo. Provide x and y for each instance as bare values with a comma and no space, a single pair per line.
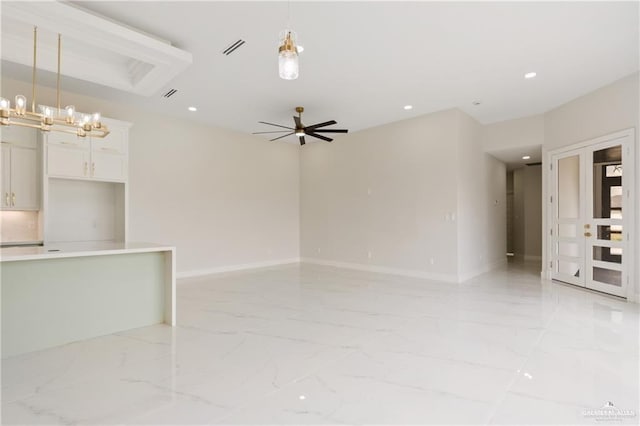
77,249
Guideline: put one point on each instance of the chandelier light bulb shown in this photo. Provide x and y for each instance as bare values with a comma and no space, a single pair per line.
96,120
70,114
47,116
4,103
21,104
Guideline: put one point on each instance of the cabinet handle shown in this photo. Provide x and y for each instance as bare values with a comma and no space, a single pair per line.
6,198
13,199
85,168
93,169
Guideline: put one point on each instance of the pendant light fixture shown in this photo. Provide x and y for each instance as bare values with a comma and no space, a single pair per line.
48,119
288,66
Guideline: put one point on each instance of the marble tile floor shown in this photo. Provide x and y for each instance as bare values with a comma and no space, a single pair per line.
306,344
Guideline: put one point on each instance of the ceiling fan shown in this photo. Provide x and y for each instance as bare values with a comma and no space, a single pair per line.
301,130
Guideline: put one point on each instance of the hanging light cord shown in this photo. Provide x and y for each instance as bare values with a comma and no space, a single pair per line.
58,81
33,80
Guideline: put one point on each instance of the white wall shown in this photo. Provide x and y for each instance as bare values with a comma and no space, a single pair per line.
223,198
603,111
482,210
606,110
410,193
520,132
387,190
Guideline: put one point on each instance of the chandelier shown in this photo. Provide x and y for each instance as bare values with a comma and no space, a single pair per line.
49,119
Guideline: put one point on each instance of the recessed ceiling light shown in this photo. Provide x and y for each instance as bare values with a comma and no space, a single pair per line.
408,107
530,75
192,109
526,157
300,48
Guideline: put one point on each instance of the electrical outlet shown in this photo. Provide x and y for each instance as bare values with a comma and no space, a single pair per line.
432,261
369,255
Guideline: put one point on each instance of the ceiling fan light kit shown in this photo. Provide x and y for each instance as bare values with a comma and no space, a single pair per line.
300,130
288,66
47,119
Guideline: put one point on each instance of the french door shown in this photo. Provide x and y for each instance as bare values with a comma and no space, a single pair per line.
592,213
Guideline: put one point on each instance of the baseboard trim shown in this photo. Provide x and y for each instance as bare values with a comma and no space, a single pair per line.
233,268
482,270
383,270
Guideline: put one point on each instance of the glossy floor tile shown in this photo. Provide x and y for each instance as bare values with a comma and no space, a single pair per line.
319,345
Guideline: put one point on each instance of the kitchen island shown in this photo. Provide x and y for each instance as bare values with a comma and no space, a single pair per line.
61,293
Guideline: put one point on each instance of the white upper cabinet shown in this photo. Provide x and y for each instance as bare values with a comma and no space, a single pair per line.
20,188
19,136
104,159
68,162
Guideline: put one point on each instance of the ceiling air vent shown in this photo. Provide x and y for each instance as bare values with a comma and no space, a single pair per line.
170,93
229,50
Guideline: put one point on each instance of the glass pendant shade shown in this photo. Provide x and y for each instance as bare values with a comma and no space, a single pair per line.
288,65
288,57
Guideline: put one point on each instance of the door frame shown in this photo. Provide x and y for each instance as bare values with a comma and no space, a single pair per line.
630,183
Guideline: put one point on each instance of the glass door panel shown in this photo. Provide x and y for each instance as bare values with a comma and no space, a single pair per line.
606,211
568,242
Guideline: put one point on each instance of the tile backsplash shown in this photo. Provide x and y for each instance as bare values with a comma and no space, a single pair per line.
18,226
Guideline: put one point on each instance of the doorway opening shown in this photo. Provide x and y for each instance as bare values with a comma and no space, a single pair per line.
524,213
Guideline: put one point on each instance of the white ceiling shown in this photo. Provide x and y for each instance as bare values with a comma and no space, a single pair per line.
512,157
95,49
363,61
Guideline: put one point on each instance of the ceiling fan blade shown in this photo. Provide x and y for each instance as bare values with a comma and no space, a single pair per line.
275,131
280,137
277,125
326,123
324,138
302,141
298,122
331,130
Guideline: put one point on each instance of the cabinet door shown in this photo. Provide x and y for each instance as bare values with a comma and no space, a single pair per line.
67,162
6,177
67,140
20,136
24,179
115,142
108,166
